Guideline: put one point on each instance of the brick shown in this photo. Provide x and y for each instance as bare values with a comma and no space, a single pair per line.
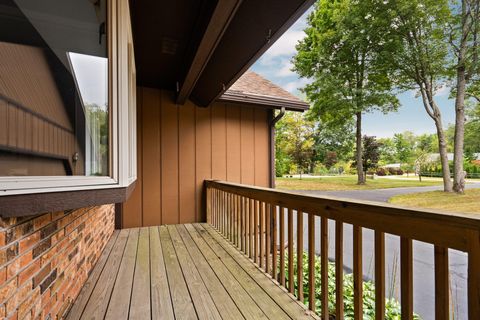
28,272
8,290
7,254
42,221
41,275
16,265
17,298
26,306
3,311
2,238
57,215
48,281
73,253
28,242
7,222
12,316
42,247
3,275
27,227
48,230
48,259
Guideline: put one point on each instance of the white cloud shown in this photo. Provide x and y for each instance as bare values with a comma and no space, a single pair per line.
285,69
295,86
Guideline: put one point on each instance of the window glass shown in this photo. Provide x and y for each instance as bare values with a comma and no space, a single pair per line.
54,110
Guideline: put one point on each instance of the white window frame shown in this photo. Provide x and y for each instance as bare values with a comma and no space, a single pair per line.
122,135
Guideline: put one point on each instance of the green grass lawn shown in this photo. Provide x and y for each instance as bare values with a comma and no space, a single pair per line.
347,183
469,202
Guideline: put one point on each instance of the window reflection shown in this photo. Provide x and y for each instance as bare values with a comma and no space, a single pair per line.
54,111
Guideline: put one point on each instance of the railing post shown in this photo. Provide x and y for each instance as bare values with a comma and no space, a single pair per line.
209,205
474,275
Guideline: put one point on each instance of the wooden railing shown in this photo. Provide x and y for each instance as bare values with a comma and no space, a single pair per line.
253,219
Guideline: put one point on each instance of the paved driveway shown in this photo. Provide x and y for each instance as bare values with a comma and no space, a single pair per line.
423,267
380,195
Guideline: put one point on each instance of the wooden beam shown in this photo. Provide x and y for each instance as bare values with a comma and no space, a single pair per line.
221,17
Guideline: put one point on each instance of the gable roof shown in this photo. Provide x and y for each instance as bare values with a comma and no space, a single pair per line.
251,88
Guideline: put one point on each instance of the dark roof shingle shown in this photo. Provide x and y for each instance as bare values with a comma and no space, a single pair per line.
254,89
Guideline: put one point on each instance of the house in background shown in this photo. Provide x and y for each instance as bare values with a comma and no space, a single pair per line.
135,160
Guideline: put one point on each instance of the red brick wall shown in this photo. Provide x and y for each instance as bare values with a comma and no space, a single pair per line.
45,259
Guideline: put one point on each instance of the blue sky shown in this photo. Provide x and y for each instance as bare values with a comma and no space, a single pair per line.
275,65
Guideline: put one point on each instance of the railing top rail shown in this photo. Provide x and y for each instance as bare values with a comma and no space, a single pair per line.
452,230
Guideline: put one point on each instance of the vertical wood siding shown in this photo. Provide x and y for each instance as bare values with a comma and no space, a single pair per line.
181,146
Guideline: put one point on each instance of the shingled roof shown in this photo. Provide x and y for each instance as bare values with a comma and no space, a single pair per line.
251,88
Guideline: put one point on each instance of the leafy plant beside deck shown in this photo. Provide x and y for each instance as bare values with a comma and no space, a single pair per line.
392,306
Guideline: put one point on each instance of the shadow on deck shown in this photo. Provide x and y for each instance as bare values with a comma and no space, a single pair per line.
180,272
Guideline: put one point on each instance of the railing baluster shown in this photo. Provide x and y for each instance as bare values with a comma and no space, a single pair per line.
274,242
241,229
246,235
262,234
291,287
229,216
311,262
379,275
406,277
221,210
324,265
252,225
238,222
339,314
257,239
216,209
473,274
300,255
267,237
251,234
357,273
442,297
282,246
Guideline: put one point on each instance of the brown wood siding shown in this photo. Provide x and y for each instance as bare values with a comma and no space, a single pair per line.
181,146
151,161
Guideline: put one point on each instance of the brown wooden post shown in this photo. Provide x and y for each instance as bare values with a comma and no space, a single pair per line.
474,275
209,206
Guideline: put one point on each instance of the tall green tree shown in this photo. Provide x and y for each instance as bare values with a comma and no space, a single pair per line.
345,55
371,153
294,141
417,27
472,129
465,30
404,146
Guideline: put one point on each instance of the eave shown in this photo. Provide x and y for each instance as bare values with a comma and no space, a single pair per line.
267,101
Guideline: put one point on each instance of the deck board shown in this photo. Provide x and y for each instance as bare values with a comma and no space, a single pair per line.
180,272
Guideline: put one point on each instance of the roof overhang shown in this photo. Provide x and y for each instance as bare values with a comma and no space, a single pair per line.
262,100
199,48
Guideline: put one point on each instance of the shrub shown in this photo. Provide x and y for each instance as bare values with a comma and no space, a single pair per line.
392,171
381,172
392,306
399,172
320,170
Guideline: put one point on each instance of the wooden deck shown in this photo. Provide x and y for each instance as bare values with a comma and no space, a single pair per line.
180,272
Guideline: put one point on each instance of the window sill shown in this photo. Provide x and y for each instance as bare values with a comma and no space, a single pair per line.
36,203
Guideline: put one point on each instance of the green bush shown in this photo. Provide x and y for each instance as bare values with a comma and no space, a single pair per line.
392,307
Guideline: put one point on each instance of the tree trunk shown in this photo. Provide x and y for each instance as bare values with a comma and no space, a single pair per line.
442,148
359,150
434,112
458,171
